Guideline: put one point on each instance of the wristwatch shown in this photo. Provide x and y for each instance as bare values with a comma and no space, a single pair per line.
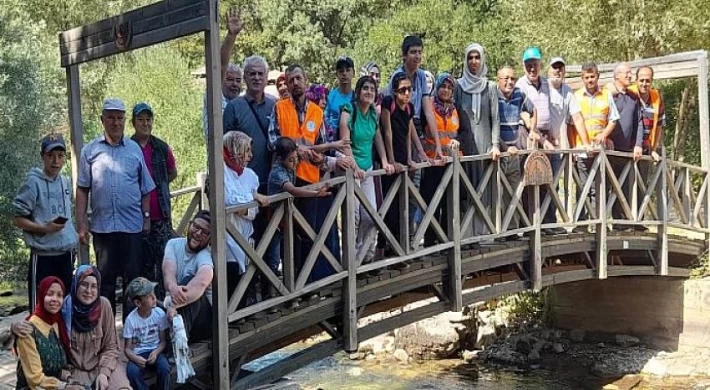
146,214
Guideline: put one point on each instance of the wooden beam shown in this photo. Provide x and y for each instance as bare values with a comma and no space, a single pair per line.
536,242
662,210
453,215
76,131
600,182
142,27
220,337
350,330
704,113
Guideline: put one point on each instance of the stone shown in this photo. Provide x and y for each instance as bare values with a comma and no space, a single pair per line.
357,356
6,293
438,337
370,357
628,382
577,335
539,346
533,356
469,356
601,345
355,371
558,334
626,341
401,355
558,347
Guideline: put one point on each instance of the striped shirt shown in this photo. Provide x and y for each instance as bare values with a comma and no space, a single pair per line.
509,111
540,97
647,117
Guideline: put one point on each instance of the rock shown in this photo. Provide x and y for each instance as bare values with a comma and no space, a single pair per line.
355,371
433,338
378,345
576,335
533,356
6,293
469,356
606,371
601,345
626,383
539,346
558,347
557,334
357,356
401,355
626,340
525,344
370,357
19,309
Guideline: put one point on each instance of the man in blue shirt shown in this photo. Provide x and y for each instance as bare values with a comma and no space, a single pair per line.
113,171
338,97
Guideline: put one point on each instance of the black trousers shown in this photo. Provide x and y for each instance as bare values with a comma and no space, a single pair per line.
431,178
392,216
118,254
61,266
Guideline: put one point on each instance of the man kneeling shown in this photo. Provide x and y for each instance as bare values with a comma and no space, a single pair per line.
187,274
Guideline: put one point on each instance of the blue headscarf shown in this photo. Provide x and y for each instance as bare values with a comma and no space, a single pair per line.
77,315
445,109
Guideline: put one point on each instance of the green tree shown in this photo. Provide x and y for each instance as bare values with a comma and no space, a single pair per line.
30,105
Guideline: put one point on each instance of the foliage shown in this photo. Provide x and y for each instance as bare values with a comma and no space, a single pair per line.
160,77
701,267
525,309
30,106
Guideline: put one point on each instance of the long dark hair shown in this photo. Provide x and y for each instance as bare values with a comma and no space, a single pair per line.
360,84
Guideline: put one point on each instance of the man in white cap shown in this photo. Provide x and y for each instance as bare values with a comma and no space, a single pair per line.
112,169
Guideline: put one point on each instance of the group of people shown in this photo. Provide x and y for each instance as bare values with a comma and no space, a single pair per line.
275,144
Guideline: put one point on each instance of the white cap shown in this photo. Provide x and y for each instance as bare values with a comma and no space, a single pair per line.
558,59
114,104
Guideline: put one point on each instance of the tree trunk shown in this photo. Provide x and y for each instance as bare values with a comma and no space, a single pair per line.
687,106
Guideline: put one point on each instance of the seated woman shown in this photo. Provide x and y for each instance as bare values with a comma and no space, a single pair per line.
43,354
91,326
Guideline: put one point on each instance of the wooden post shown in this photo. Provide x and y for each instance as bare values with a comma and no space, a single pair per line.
404,213
662,210
76,130
220,336
704,127
453,210
350,342
289,270
600,182
498,191
536,242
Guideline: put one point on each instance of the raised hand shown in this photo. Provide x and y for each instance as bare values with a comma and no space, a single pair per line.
234,21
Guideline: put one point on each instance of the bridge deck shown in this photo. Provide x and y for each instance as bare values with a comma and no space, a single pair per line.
489,271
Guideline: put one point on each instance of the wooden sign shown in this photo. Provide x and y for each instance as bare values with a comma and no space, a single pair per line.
538,170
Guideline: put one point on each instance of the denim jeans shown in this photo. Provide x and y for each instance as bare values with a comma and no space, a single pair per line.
161,368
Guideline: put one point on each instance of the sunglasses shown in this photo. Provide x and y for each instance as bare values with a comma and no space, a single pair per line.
403,90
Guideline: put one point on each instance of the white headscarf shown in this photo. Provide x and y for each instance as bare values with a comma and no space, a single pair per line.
474,84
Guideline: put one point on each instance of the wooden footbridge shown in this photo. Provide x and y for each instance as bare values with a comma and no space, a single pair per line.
649,218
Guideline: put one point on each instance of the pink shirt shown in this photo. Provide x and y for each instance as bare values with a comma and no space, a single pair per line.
155,212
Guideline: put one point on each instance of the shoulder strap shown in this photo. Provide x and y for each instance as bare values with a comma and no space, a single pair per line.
263,128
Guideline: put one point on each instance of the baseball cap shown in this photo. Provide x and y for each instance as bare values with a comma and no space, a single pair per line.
51,142
139,287
140,107
532,53
114,104
344,62
557,60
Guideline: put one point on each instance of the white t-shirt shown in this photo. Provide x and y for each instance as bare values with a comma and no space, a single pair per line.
239,189
145,332
563,105
188,263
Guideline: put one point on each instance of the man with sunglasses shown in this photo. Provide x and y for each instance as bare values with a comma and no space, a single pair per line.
187,273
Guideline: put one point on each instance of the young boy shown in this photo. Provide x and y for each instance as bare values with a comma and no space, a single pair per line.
144,334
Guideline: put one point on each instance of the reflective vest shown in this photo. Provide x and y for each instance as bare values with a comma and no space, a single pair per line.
650,135
596,116
305,133
448,129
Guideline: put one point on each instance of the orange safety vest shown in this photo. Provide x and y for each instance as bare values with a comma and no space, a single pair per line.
448,129
596,117
305,133
655,98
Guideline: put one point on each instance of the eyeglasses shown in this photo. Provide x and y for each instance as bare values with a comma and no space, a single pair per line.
508,78
200,231
404,90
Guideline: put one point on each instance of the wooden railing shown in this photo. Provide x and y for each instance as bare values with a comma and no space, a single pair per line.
645,193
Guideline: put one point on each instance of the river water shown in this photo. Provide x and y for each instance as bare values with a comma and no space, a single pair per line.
338,372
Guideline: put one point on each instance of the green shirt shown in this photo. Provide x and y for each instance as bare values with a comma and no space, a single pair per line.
362,134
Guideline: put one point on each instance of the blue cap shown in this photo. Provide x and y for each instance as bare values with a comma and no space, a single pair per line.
53,141
532,53
140,107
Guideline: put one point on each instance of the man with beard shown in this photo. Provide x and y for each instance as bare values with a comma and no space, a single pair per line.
304,122
187,273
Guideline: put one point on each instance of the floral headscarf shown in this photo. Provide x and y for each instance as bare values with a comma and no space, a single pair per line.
442,108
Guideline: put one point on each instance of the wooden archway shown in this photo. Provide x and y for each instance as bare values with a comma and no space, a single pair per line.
142,27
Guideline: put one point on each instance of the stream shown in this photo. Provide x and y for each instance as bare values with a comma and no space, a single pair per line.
338,372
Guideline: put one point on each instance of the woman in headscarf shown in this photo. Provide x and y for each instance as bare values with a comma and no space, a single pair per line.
447,128
373,70
477,103
43,355
240,186
91,327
